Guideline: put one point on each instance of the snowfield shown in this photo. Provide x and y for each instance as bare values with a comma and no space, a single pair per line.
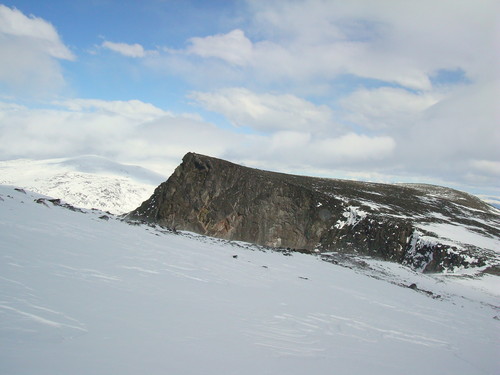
84,293
84,181
463,235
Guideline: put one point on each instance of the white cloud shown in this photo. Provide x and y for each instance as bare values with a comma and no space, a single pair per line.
305,153
460,127
30,48
355,147
450,134
314,41
310,43
128,131
133,131
130,108
138,132
289,141
233,47
398,42
14,23
129,50
487,166
305,149
387,107
266,112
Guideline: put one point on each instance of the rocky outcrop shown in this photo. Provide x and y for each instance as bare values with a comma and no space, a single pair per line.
217,198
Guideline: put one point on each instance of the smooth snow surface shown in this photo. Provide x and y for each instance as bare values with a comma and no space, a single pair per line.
83,295
85,181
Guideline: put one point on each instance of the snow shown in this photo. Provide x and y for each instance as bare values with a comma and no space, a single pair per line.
375,206
353,216
461,234
85,181
80,295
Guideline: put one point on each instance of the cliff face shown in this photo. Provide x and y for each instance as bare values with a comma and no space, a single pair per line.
221,199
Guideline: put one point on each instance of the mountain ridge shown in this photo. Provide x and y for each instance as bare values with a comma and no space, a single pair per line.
394,222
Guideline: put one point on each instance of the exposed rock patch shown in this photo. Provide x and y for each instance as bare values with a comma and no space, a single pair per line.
217,198
58,202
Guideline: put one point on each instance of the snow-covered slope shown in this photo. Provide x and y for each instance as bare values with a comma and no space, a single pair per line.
86,181
84,293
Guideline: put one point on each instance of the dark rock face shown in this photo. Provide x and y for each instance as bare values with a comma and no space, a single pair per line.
217,198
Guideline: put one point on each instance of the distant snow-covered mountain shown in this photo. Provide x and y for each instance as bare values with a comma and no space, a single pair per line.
83,292
85,181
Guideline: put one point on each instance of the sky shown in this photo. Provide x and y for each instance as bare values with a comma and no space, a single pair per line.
385,91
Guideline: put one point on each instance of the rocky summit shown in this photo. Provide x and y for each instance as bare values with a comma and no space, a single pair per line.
403,223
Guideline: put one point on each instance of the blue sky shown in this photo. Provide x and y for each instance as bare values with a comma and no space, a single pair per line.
383,91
